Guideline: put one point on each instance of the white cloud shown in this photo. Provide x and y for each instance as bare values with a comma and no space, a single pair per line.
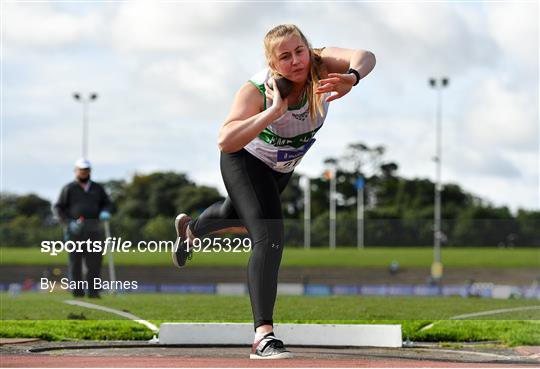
175,27
499,118
433,38
199,80
514,27
41,25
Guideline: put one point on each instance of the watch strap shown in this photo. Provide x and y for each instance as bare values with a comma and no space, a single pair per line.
355,72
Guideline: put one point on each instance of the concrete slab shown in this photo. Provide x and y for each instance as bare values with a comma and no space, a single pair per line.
358,335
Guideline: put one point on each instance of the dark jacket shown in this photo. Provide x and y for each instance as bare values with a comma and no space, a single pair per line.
74,203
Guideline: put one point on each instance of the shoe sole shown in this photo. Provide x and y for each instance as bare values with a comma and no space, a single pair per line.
178,224
283,355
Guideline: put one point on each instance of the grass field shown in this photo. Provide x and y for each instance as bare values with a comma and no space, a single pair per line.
341,257
47,316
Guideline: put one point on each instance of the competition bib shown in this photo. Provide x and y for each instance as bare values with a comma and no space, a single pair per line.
287,159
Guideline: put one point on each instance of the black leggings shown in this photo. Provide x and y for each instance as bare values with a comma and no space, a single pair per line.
254,202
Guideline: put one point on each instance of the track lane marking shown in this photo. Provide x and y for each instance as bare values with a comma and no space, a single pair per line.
491,312
482,313
124,314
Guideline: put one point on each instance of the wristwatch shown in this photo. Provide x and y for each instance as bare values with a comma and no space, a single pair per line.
355,72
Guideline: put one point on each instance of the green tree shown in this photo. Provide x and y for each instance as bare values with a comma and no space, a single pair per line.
28,205
25,230
484,226
529,228
194,200
158,229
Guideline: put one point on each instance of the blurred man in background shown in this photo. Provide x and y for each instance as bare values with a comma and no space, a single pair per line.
80,207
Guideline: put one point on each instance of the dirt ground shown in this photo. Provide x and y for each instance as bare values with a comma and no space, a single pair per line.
35,353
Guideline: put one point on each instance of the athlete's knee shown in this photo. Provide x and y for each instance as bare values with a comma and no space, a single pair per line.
271,241
277,233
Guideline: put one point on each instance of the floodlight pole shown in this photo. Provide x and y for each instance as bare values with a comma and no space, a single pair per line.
85,102
330,175
436,269
333,196
306,184
360,183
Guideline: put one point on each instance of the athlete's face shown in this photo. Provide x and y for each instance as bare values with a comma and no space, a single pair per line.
291,58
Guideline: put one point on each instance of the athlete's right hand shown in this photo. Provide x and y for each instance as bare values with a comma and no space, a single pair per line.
279,105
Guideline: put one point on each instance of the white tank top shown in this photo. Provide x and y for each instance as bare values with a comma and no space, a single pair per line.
286,140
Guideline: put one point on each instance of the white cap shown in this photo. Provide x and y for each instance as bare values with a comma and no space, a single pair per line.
83,164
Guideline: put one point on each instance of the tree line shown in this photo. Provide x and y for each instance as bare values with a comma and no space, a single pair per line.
398,210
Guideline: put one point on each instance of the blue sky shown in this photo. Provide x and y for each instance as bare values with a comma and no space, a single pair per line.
166,74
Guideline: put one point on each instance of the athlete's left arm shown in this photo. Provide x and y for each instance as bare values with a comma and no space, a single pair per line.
338,61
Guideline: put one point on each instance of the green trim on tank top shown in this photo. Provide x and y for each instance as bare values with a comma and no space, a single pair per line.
300,105
262,89
297,141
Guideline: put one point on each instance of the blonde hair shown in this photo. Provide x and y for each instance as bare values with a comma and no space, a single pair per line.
316,65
